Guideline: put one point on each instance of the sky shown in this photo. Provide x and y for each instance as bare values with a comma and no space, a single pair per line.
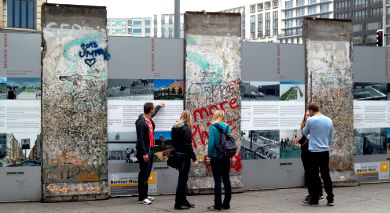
143,8
162,83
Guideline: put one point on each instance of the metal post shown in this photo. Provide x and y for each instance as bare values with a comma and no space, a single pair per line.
384,42
177,18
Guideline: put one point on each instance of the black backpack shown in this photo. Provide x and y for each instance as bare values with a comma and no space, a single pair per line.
227,145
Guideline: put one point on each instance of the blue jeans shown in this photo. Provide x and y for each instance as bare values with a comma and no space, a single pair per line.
144,172
221,169
184,169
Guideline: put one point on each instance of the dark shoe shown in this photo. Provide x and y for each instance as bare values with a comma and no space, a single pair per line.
330,203
226,206
307,203
181,207
213,208
187,203
321,198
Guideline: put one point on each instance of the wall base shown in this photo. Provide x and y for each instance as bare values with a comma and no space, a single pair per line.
205,185
344,178
73,198
61,192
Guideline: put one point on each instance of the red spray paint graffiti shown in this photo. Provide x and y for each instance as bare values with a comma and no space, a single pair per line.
201,132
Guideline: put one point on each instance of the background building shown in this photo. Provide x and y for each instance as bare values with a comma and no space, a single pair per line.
158,26
21,14
260,21
264,21
366,16
135,27
164,26
386,21
280,20
292,13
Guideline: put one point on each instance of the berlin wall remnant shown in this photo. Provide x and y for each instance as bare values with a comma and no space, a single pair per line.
74,108
329,80
212,82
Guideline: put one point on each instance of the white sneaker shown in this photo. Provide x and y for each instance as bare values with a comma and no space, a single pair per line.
150,198
146,201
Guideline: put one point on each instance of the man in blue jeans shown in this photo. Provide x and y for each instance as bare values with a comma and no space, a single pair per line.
320,130
145,149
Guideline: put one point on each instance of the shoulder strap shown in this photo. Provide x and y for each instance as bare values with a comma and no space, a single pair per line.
218,128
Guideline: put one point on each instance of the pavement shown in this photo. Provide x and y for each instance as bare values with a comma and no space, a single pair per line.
373,198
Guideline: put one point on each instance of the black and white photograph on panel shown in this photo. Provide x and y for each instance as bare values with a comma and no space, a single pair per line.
168,89
292,91
122,153
260,144
3,88
20,149
121,147
369,141
259,90
122,137
289,146
369,91
130,89
24,88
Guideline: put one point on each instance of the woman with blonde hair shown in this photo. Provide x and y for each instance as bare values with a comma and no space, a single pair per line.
219,166
182,144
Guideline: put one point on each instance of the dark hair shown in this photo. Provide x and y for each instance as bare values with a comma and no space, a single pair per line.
314,106
148,107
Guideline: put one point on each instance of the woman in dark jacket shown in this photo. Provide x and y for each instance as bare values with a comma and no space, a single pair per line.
304,141
182,144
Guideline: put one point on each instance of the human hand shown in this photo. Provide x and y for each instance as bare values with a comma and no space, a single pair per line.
295,140
146,158
161,104
196,163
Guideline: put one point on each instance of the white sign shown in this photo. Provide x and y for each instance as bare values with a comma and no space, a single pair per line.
271,115
127,183
371,114
372,170
20,116
122,114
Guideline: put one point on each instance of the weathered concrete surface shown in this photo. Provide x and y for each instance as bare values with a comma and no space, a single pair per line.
214,24
362,199
74,107
212,82
329,81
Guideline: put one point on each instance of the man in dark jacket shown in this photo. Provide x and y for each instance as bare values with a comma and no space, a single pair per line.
145,148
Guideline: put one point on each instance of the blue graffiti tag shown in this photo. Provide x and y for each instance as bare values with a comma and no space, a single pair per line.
90,51
90,61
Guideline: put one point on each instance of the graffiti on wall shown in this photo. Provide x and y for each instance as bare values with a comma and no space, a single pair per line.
329,82
76,188
74,121
213,76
